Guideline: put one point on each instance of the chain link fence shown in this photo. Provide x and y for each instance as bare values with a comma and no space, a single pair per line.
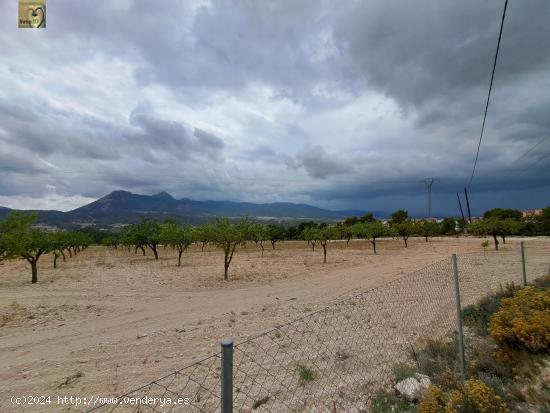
339,357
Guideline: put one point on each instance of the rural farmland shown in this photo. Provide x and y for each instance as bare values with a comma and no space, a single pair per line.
119,319
212,206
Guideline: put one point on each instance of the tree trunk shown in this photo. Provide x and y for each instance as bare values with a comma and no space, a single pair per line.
63,255
262,247
503,239
34,270
273,243
405,239
347,242
426,238
179,258
373,242
142,249
496,242
70,253
55,256
202,248
324,253
154,248
312,246
226,250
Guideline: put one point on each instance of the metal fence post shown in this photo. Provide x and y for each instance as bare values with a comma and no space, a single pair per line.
459,321
524,272
227,376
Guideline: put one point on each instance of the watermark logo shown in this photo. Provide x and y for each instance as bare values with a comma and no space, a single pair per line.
32,14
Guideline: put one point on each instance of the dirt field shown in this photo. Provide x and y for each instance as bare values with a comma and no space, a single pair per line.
108,321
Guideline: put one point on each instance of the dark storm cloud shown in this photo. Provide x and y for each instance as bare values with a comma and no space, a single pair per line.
318,163
160,135
335,94
417,53
44,131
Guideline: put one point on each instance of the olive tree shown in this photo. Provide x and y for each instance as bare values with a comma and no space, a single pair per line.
20,239
226,236
510,226
179,237
496,228
426,228
146,234
489,226
259,234
203,235
324,235
275,233
58,243
310,235
370,231
399,217
404,229
111,241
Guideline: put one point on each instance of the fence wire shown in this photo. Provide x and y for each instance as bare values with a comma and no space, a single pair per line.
339,357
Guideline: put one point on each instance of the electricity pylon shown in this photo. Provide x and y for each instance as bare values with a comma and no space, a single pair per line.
429,182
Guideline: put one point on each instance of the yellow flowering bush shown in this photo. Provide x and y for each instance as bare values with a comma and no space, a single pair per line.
483,398
474,396
434,401
523,320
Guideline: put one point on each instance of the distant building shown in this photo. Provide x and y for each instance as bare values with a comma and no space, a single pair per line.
529,213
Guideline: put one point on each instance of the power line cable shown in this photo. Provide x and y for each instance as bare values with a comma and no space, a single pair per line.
532,148
536,162
489,94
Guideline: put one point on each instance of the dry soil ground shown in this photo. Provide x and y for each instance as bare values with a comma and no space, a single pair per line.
107,321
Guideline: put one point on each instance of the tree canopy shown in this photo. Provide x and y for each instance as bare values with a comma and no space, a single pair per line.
227,236
20,239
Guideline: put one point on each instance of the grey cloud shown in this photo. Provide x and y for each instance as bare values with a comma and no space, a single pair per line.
266,155
318,163
209,139
171,137
320,61
417,53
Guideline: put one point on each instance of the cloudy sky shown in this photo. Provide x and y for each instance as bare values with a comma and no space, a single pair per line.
337,104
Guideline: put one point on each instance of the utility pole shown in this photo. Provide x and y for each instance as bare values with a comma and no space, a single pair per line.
429,182
468,205
461,210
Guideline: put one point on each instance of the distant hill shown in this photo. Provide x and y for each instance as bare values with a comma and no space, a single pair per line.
122,207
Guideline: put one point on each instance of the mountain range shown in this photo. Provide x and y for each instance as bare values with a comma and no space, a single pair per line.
122,207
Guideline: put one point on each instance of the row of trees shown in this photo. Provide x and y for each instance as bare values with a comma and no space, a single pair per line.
502,223
227,235
18,238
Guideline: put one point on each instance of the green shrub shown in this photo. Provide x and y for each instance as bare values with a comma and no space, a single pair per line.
477,316
493,381
438,359
523,321
391,403
401,371
306,374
